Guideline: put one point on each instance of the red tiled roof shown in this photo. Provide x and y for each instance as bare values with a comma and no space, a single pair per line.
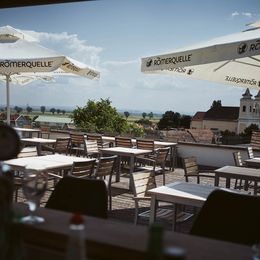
222,113
199,116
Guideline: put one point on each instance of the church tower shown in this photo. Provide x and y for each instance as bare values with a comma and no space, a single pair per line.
249,112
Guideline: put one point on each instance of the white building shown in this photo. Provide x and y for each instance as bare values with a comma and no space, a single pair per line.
249,112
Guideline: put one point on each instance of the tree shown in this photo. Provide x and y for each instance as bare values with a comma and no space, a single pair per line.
144,115
43,109
150,115
127,114
18,109
248,130
58,111
63,112
174,120
185,121
53,110
100,117
29,109
166,121
216,103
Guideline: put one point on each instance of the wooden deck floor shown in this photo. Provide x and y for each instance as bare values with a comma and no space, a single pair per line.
123,205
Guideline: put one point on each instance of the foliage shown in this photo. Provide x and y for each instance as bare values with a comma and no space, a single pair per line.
63,112
144,115
144,122
18,109
58,111
99,117
216,103
227,133
150,115
185,121
29,109
127,114
43,109
174,120
53,110
135,130
248,131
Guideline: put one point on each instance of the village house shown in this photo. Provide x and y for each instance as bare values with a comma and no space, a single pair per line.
233,119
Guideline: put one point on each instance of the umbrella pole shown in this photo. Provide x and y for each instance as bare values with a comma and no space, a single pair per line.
8,100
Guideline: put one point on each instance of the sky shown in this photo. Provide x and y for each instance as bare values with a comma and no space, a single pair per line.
113,35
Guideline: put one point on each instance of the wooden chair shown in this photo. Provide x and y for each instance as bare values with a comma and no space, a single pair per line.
142,182
105,168
146,144
45,132
229,216
98,139
86,196
191,169
92,149
123,142
77,144
239,163
61,146
83,169
157,163
250,152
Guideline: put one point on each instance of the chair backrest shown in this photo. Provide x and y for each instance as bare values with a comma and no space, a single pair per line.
255,139
92,148
97,138
229,216
146,144
123,142
83,169
45,131
190,166
142,182
86,196
238,159
77,139
161,155
105,166
62,145
250,152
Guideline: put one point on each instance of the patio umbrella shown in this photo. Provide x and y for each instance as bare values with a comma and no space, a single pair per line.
20,55
232,59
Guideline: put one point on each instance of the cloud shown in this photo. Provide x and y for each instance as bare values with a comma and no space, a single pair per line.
246,14
70,45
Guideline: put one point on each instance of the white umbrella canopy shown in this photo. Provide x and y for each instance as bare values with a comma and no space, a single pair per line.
232,59
21,56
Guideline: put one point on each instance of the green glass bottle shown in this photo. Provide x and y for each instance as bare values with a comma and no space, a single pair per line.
155,242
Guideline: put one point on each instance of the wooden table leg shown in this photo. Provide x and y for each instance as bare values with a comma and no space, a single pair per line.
154,205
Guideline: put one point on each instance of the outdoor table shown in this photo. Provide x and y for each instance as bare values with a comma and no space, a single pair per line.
30,131
128,152
108,239
234,172
157,144
254,162
48,162
38,142
179,193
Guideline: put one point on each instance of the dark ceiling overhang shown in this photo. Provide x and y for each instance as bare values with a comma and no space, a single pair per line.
19,3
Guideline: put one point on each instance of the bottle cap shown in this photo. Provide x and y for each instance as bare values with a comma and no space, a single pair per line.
77,219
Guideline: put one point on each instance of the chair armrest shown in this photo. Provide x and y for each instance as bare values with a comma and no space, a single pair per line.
55,175
141,198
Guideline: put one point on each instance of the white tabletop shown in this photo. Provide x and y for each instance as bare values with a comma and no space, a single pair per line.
47,162
184,193
38,140
125,151
20,129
